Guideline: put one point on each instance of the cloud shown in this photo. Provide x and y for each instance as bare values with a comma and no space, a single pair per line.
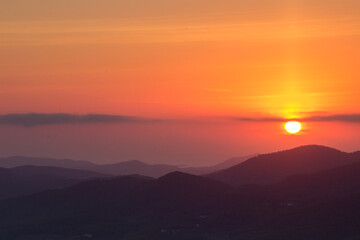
41,119
354,118
349,118
38,119
264,119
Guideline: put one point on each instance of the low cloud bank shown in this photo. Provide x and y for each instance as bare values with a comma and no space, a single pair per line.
38,119
350,118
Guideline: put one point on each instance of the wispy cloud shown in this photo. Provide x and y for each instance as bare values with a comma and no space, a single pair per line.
38,119
354,118
42,119
261,119
350,118
155,31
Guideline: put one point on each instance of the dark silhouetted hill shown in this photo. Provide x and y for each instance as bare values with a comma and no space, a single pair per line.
16,161
118,207
223,165
323,205
31,179
121,168
311,206
273,167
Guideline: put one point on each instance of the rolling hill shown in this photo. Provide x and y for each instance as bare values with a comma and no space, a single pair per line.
120,168
311,206
31,179
274,167
315,206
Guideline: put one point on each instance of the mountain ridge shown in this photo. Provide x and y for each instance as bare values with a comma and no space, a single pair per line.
312,206
272,167
119,168
183,206
24,180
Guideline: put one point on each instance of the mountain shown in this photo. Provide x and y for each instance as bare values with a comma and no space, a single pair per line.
233,161
322,205
16,161
223,165
121,168
111,208
273,167
30,179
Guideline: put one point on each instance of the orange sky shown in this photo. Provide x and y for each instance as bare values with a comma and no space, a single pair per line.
181,59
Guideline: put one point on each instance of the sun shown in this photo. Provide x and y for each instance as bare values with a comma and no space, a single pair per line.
293,127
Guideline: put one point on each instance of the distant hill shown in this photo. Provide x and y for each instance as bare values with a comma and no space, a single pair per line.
273,167
31,179
16,161
223,165
121,168
326,185
109,208
322,205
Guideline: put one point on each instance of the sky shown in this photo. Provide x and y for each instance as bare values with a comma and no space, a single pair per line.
183,82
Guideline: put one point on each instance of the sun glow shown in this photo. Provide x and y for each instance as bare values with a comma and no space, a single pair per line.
293,127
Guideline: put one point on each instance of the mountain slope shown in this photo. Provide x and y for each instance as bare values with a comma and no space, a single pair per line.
223,165
110,207
322,205
16,161
121,168
273,167
30,179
